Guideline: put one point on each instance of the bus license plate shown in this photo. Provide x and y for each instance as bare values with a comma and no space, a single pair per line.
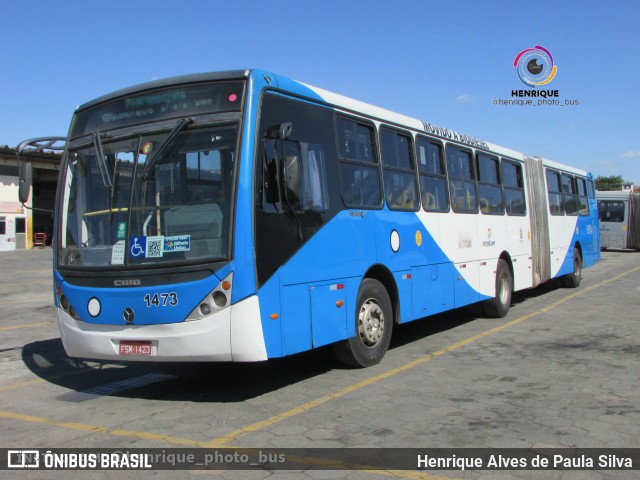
128,347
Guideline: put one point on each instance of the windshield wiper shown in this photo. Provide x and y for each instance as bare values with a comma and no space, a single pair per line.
155,156
102,163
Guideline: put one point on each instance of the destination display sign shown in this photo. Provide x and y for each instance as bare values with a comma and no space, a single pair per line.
160,104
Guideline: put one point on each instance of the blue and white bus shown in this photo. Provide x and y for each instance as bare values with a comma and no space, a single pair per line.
242,216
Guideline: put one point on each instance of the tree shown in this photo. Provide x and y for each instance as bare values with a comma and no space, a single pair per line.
609,183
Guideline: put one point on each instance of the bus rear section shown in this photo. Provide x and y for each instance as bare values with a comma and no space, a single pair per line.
619,213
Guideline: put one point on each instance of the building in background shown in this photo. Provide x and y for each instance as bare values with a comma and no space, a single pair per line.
18,223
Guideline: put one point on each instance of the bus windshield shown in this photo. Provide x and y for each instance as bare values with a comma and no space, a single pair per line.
148,199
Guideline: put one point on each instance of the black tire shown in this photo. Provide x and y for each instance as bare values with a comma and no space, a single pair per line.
373,326
572,280
498,306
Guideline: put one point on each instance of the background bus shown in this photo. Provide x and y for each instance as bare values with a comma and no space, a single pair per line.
244,216
619,213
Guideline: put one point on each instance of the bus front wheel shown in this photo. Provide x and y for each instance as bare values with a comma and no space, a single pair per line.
373,326
498,306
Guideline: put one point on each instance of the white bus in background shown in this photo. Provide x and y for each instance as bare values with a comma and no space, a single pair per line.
619,213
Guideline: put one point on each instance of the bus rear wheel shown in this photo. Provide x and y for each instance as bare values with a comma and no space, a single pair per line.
572,280
373,326
498,306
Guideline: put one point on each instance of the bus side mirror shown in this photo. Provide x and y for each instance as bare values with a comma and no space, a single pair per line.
292,179
291,174
281,132
34,145
25,178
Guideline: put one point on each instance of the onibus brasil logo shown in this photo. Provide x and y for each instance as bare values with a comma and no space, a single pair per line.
535,66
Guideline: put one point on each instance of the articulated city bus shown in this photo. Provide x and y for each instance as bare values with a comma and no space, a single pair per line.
619,213
242,216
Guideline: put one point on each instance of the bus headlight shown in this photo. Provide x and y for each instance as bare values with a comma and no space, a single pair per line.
65,305
216,300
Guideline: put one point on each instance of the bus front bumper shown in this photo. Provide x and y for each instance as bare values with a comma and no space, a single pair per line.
232,334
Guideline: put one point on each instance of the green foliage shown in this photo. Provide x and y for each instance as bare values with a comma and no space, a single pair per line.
609,183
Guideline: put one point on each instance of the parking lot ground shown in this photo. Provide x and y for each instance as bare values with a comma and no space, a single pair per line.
561,370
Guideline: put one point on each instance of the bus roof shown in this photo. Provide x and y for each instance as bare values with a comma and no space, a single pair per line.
334,99
166,82
613,194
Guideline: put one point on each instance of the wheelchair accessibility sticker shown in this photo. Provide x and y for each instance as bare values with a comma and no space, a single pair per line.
157,246
146,247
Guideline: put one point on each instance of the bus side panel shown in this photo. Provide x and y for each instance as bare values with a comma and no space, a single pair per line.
406,245
583,233
587,234
592,254
404,281
520,249
269,299
296,319
403,245
465,294
562,231
344,247
633,233
325,270
433,278
330,311
432,289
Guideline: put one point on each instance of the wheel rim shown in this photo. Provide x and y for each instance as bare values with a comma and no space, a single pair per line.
577,269
371,322
503,289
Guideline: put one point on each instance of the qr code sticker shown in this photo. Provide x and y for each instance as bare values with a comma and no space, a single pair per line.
154,247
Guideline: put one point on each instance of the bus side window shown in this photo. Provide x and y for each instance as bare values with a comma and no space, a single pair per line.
303,167
583,202
555,193
513,185
433,180
314,178
569,194
359,172
270,187
462,185
401,188
489,190
611,211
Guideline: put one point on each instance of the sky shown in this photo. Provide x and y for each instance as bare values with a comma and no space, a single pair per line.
443,62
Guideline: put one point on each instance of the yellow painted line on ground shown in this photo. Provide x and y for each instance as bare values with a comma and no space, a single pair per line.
46,421
16,386
191,443
16,327
254,427
100,429
221,442
158,437
401,473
